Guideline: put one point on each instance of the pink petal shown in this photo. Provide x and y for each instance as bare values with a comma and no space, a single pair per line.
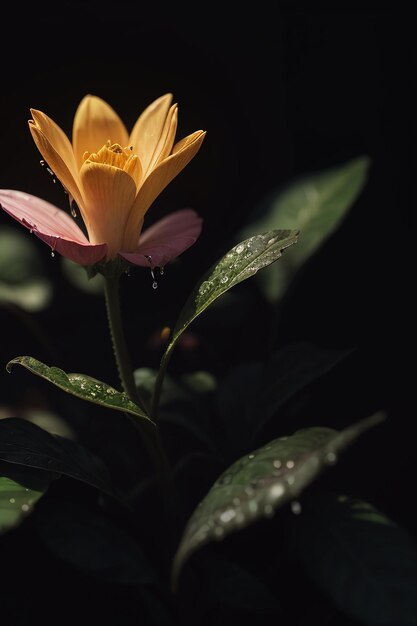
166,239
51,225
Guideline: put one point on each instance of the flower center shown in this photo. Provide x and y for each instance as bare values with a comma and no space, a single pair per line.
117,156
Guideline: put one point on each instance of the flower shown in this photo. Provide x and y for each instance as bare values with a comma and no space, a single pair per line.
113,178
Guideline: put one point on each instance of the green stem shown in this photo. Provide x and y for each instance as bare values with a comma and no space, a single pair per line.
149,431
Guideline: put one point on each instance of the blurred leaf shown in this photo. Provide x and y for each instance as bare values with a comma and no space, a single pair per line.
49,421
184,402
253,392
363,561
21,276
240,263
16,502
26,444
91,542
220,585
77,276
81,386
257,484
315,205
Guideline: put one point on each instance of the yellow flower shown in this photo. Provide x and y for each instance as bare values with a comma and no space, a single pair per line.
114,177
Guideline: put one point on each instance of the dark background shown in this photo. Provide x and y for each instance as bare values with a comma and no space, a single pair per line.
280,96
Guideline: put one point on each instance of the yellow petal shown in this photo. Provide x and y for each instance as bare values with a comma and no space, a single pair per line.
56,137
148,129
164,147
109,195
95,123
159,178
61,168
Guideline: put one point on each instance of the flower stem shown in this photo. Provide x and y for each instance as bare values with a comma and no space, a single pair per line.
148,430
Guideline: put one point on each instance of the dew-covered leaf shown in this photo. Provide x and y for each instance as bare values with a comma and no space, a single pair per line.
16,502
257,484
24,443
316,206
93,543
362,560
240,263
81,386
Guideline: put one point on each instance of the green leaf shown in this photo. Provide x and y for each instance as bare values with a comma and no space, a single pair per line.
315,205
257,484
21,277
240,263
91,542
24,443
81,386
16,502
253,392
362,560
78,277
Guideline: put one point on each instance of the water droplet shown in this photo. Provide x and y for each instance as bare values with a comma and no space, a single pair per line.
97,386
31,230
161,271
154,285
109,391
42,162
251,456
290,464
12,500
331,458
52,253
240,248
271,241
277,464
277,490
93,393
268,510
296,507
25,508
227,515
224,279
218,532
73,212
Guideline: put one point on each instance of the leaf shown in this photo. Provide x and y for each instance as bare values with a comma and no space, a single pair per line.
77,276
16,502
24,443
81,386
257,484
362,560
253,392
315,205
21,279
240,263
93,543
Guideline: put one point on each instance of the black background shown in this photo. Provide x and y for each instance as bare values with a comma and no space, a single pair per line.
280,95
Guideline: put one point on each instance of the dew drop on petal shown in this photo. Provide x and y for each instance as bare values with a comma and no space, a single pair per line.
154,285
73,212
251,456
161,271
240,248
52,253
